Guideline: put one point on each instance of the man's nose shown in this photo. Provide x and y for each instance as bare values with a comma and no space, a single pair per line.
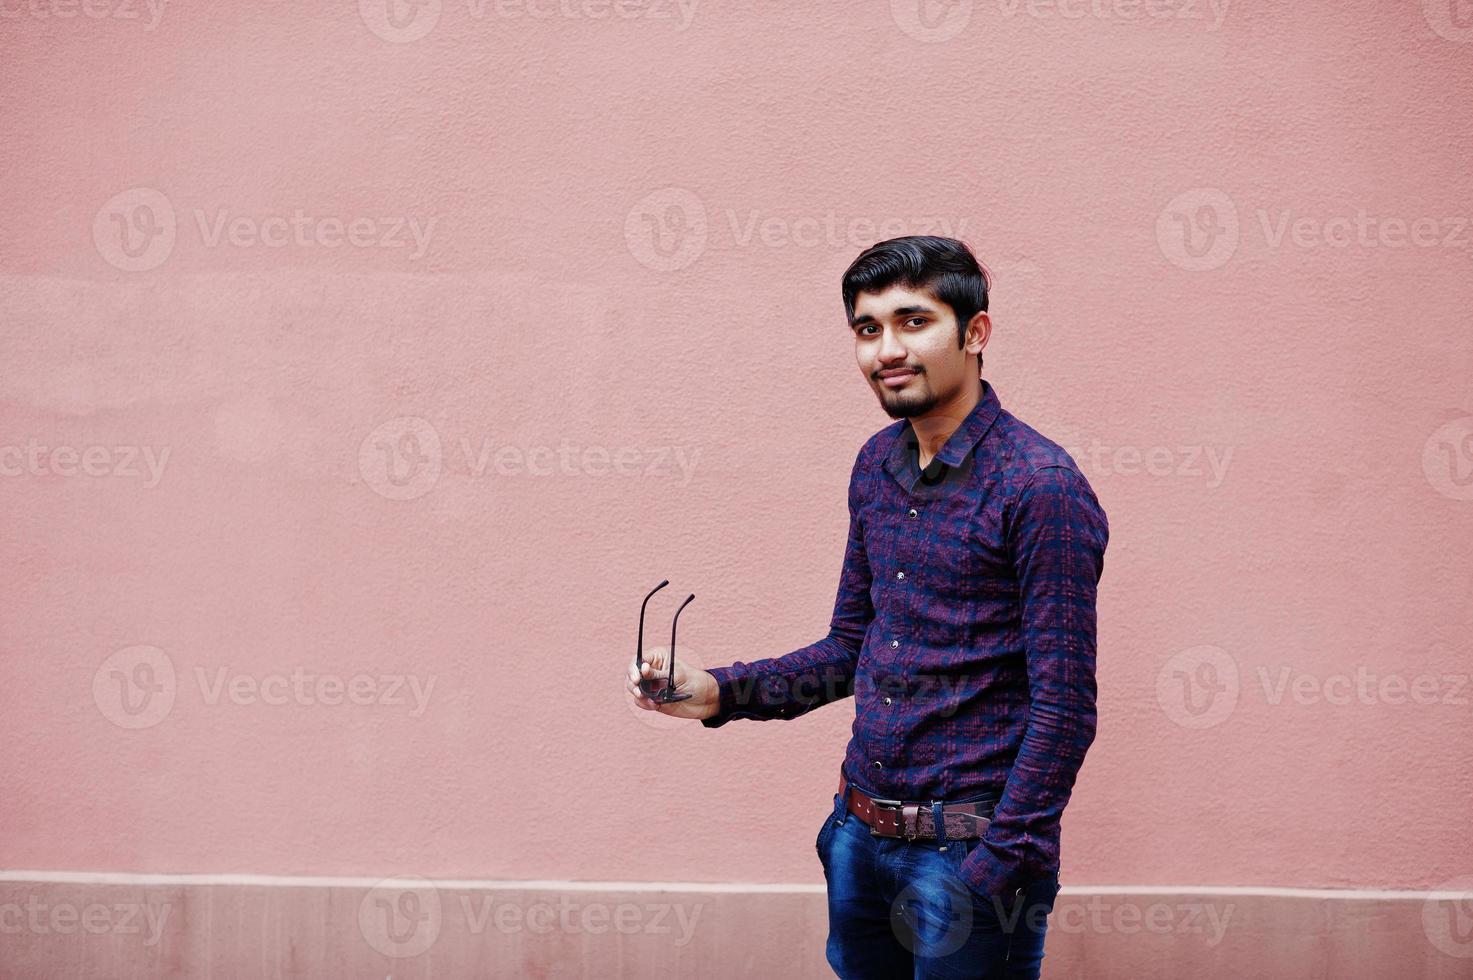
891,349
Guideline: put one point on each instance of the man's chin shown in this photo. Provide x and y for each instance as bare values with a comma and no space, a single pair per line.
904,406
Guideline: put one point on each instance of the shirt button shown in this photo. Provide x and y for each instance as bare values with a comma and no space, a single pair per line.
887,700
900,575
911,512
894,644
878,765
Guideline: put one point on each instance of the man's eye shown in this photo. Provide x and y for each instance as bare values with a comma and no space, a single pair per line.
917,319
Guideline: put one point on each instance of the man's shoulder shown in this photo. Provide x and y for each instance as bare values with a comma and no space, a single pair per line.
877,447
1025,451
875,451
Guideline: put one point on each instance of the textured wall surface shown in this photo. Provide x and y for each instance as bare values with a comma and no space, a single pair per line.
362,366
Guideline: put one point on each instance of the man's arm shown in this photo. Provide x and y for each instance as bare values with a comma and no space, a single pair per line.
1058,535
796,683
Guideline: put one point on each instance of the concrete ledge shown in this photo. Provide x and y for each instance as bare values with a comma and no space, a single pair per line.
73,924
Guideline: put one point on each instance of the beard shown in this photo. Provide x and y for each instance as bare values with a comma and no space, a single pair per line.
913,400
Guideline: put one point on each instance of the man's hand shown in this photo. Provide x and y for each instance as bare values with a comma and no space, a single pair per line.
705,697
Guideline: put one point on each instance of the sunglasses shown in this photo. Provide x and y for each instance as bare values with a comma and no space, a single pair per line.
651,686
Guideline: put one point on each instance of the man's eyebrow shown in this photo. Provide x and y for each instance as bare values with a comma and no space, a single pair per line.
899,311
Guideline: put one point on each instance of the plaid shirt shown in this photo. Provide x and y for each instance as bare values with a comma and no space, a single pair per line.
965,629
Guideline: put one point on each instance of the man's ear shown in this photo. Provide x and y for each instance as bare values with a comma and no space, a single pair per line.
979,331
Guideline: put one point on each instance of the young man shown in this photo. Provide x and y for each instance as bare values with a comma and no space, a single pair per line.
964,628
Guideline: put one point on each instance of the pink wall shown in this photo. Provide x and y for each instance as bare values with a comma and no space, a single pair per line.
623,236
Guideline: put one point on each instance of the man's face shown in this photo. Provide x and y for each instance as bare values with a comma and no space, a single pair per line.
911,336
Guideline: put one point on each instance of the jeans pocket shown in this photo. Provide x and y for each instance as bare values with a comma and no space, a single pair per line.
1027,906
830,823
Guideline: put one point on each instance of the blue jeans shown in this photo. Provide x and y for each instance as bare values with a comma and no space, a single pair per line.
898,908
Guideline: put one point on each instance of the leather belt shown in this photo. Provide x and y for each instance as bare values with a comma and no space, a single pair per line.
899,818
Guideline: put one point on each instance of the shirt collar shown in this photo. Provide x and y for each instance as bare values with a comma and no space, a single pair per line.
903,462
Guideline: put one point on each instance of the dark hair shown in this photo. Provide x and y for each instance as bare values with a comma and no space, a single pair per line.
944,266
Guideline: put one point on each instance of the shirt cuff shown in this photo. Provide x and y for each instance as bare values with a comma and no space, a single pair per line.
726,708
988,876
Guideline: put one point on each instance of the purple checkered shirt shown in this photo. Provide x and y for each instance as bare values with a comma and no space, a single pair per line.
965,629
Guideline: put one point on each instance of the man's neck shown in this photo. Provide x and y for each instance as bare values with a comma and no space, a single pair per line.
936,426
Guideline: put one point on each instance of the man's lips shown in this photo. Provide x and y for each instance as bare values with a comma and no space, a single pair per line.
896,378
